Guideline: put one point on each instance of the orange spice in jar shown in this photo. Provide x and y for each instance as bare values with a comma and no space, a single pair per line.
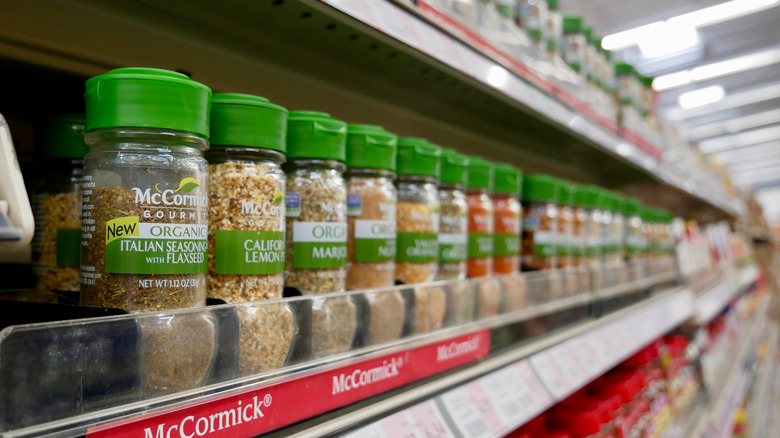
507,216
540,222
480,218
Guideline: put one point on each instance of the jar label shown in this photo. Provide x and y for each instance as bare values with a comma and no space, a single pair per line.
530,223
134,247
577,246
293,204
354,204
319,245
544,243
480,245
68,247
248,252
374,240
417,247
592,246
506,245
453,247
564,244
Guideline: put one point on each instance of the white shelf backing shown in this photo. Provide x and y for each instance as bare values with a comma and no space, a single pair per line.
497,403
711,302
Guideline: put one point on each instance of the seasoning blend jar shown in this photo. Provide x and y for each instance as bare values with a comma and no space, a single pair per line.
616,255
371,202
507,217
246,198
650,232
573,43
540,222
418,170
592,200
632,240
565,225
316,207
453,221
60,149
480,217
606,226
553,27
145,180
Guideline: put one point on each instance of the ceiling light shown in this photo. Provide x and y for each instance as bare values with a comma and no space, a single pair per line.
692,20
701,97
497,76
755,95
734,125
672,80
742,139
669,39
717,69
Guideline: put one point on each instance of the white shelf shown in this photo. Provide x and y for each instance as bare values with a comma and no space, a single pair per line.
711,302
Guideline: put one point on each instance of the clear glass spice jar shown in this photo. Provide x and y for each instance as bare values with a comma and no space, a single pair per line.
371,203
624,75
59,151
573,42
592,202
606,226
633,238
580,218
650,231
540,222
246,199
453,220
507,219
145,204
417,214
565,242
553,27
480,218
531,16
316,203
616,255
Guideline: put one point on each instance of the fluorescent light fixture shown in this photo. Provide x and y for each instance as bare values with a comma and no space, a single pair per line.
759,94
731,126
670,38
739,140
690,22
757,149
717,69
701,97
497,76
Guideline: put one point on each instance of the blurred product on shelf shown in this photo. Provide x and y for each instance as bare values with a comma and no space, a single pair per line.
565,244
507,217
453,216
540,222
480,217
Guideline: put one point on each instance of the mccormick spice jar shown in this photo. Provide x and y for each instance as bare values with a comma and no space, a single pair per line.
540,222
580,217
246,199
591,201
615,255
624,75
60,149
507,216
417,215
553,27
606,225
453,220
650,231
480,217
145,204
565,224
316,204
371,202
633,239
573,42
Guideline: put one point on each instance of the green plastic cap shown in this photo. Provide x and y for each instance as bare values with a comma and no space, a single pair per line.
565,192
648,214
416,156
147,98
606,200
631,205
588,32
453,167
61,137
647,81
246,120
572,24
507,179
371,147
616,202
553,4
316,135
540,187
588,197
623,68
480,174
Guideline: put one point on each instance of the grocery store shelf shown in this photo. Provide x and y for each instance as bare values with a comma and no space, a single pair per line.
501,393
371,62
711,302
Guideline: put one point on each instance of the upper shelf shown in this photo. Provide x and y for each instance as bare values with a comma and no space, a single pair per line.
369,62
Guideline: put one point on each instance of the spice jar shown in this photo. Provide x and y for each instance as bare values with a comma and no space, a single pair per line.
580,218
145,204
624,75
59,149
453,221
616,255
507,217
480,181
650,232
573,43
591,201
632,240
417,214
316,206
531,16
565,224
371,200
606,225
540,222
553,27
664,227
246,199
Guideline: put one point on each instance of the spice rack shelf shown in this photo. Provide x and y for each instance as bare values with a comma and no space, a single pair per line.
120,368
394,64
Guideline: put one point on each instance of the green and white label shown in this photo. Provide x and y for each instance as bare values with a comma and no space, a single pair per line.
134,247
506,245
68,247
564,245
374,241
544,243
480,245
453,247
417,247
592,246
248,252
318,245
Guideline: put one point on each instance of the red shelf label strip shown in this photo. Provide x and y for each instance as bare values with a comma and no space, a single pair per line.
265,408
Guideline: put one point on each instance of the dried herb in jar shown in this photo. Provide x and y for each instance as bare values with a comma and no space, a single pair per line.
453,216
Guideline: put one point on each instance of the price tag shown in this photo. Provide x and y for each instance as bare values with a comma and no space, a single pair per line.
464,414
428,421
487,409
374,430
568,365
508,394
399,425
584,356
535,387
551,376
599,341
